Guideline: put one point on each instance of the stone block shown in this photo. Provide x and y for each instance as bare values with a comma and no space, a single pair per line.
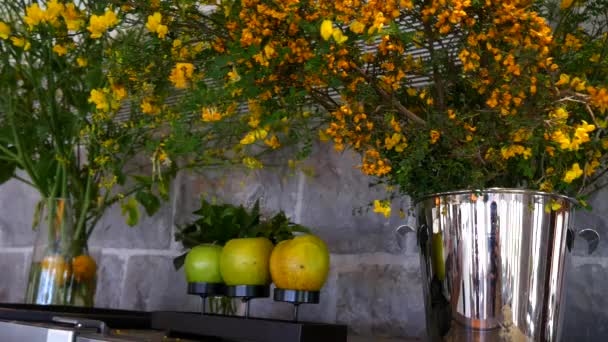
274,186
153,284
110,279
17,203
337,203
14,267
595,219
150,233
586,311
381,300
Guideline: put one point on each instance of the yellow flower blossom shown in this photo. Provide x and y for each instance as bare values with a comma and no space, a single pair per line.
273,142
327,29
357,27
147,106
435,135
210,114
99,98
591,167
119,92
572,174
338,36
181,75
382,207
563,79
252,136
233,75
595,58
82,62
34,15
599,98
21,42
514,150
566,4
154,25
5,30
73,19
53,10
390,142
252,163
60,49
99,24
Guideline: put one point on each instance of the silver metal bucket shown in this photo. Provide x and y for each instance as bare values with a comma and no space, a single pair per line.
493,263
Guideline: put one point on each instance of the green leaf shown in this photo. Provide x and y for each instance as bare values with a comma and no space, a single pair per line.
131,210
179,261
7,170
150,202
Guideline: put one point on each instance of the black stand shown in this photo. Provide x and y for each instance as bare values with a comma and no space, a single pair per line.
205,290
248,292
296,297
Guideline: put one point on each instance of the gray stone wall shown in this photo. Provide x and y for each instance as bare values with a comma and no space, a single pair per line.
374,286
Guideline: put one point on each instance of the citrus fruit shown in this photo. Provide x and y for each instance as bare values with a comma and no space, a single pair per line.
301,263
245,261
56,268
84,268
202,264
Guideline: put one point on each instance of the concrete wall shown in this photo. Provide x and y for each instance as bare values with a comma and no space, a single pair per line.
374,286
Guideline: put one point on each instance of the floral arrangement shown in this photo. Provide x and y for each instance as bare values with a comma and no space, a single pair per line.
435,95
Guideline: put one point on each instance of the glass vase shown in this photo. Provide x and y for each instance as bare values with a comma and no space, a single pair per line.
62,272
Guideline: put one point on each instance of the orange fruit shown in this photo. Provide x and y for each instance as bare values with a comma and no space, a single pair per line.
56,268
84,268
301,263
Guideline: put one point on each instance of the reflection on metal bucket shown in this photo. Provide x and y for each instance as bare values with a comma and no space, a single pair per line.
493,264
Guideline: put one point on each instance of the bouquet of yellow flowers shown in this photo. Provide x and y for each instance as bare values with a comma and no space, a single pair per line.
435,95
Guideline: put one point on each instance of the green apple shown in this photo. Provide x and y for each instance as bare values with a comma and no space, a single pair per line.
246,261
202,264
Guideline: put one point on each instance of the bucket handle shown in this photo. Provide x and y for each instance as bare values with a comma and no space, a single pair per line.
401,232
588,234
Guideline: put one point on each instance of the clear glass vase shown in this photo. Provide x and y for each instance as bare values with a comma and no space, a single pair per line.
62,272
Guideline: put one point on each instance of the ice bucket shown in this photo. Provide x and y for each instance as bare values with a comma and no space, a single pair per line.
493,263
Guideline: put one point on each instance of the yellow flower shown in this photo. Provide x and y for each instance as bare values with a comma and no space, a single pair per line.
273,142
181,75
566,4
72,18
357,27
233,75
119,92
327,29
99,24
21,42
252,163
210,114
382,207
98,97
53,10
252,136
82,62
60,49
5,30
572,174
435,135
338,36
595,58
147,107
154,25
389,143
563,79
34,15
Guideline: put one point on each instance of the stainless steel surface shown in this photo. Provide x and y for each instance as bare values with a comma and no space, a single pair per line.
493,264
80,323
20,332
14,331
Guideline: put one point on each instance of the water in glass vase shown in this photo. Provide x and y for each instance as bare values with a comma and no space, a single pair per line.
62,271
